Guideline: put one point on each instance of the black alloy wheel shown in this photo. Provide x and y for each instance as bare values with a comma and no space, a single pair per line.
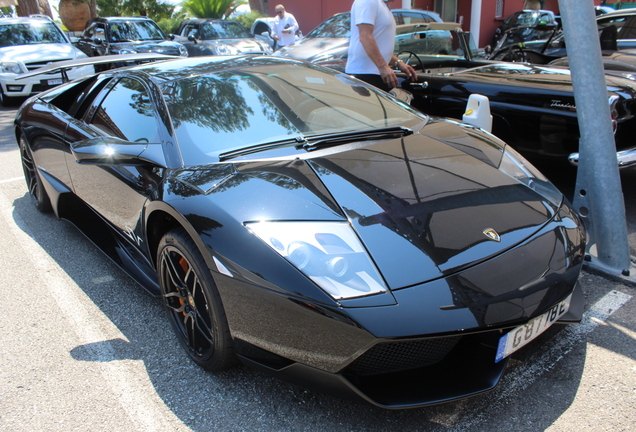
33,180
193,302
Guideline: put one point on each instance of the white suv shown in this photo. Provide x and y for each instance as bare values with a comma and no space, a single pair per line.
30,43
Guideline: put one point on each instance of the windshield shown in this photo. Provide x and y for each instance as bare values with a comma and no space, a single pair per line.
336,26
231,110
132,31
28,34
433,44
524,19
224,30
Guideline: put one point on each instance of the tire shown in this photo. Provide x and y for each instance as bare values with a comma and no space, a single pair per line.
193,303
33,180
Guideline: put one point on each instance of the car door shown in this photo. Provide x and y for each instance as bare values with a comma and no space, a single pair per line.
118,191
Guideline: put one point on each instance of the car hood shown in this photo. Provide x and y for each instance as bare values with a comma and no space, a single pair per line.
39,53
311,48
422,205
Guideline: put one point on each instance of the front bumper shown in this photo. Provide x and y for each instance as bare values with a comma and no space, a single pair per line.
625,158
13,87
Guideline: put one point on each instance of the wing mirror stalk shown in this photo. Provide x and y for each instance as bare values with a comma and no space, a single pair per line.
115,151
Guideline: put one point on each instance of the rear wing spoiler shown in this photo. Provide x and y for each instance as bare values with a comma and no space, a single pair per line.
63,66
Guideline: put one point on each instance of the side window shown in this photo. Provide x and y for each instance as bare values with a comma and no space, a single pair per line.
415,18
618,22
127,113
629,30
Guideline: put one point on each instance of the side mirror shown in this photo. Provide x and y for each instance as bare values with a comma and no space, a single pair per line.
192,39
98,40
171,36
115,151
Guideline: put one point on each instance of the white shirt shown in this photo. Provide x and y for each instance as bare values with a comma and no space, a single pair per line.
280,24
377,13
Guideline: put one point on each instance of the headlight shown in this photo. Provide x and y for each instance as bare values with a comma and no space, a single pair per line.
223,49
329,253
183,52
513,164
10,67
124,51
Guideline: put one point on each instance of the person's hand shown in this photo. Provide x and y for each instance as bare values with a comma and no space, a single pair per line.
408,70
388,76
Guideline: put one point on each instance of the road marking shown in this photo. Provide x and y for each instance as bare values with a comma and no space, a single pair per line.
145,409
545,358
11,180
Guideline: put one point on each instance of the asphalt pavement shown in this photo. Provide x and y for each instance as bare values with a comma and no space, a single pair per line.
82,347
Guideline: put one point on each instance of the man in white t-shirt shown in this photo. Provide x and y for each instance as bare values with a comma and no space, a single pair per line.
285,27
370,56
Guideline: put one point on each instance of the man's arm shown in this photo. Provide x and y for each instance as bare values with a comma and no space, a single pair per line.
371,48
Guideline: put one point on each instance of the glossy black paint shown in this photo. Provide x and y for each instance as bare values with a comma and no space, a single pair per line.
418,204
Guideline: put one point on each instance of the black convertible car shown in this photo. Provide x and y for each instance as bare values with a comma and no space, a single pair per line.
296,219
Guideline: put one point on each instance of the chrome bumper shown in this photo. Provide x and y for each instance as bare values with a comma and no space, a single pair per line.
625,158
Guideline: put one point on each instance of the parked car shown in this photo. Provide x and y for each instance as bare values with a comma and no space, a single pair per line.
126,35
522,26
330,39
27,43
533,106
614,35
308,224
206,36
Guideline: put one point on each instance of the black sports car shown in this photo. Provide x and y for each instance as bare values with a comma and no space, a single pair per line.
308,224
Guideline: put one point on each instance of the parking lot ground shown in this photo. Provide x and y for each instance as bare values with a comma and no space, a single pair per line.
84,348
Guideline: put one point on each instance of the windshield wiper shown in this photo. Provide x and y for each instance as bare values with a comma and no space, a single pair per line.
261,147
320,141
314,142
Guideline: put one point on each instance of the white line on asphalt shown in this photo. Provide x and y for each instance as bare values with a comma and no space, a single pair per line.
11,180
546,357
144,408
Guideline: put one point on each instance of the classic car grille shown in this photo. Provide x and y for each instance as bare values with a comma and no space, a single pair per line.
36,65
396,356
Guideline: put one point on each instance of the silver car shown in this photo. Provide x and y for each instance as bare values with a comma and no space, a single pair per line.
205,36
28,43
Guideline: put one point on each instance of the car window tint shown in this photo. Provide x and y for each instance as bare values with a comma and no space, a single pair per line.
617,22
32,33
225,30
130,31
239,108
629,30
336,26
127,113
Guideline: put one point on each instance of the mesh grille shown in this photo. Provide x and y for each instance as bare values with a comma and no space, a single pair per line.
396,356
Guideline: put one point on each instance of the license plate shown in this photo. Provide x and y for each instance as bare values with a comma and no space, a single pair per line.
520,336
56,81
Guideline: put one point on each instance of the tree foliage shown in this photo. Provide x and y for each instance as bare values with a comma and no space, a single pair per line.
210,8
154,9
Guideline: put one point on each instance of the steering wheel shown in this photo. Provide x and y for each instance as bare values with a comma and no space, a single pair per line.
516,54
415,64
